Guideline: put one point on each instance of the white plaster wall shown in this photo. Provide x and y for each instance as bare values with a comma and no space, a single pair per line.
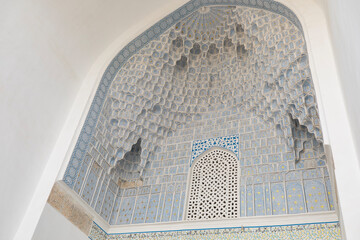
344,24
46,51
53,225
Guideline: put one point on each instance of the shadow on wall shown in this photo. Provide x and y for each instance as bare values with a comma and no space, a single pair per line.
128,168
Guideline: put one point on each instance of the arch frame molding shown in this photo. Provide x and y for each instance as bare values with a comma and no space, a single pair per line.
319,74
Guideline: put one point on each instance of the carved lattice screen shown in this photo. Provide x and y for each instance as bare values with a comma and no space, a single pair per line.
214,187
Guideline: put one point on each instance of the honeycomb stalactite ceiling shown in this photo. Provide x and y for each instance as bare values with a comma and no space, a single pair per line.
231,77
216,58
128,167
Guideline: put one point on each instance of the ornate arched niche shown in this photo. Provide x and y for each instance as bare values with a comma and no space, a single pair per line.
214,186
210,70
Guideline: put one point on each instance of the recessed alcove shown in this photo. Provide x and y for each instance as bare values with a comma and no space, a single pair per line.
235,77
127,169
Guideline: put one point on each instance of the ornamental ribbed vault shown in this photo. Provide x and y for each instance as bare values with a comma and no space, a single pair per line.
233,77
218,57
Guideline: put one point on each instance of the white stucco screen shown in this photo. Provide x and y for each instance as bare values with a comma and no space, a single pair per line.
213,191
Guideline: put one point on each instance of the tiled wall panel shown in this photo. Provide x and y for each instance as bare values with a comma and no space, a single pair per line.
258,102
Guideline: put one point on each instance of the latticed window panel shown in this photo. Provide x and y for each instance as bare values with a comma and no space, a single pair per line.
214,187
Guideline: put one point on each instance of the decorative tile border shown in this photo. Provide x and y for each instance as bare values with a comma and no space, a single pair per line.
329,230
230,142
133,47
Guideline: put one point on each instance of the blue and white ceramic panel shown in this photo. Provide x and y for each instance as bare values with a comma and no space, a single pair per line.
239,103
230,142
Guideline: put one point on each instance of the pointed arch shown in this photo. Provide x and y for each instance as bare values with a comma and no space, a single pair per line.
213,191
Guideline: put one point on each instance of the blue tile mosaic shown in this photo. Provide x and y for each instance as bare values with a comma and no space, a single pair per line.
116,210
329,193
328,230
101,196
316,199
161,208
278,198
249,201
175,207
259,200
295,197
126,210
107,205
98,186
167,207
265,139
268,205
152,209
181,206
140,209
230,142
89,188
80,178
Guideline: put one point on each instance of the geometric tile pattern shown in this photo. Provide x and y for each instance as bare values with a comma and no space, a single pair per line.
259,94
263,182
140,209
126,210
134,46
230,142
278,198
329,230
152,210
316,199
295,197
